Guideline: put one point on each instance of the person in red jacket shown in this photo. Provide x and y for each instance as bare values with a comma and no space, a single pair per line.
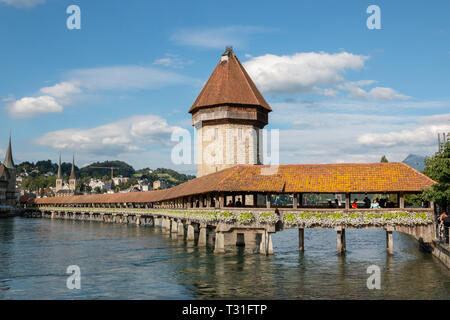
354,205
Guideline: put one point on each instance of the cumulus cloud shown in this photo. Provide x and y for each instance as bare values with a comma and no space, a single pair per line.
216,38
30,106
23,3
301,72
62,89
422,135
345,131
107,78
376,93
127,135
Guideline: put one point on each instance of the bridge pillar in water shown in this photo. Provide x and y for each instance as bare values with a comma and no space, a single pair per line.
266,246
156,222
53,215
190,232
138,220
219,243
389,241
165,224
341,245
180,228
301,239
202,236
174,226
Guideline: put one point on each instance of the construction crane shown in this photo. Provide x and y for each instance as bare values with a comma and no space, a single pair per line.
112,170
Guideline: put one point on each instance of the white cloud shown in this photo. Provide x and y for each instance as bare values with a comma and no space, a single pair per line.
331,130
30,106
309,124
422,135
23,3
172,60
217,38
301,72
126,77
376,93
62,89
106,78
127,135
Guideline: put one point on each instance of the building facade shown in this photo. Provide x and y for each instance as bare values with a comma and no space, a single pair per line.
8,179
228,115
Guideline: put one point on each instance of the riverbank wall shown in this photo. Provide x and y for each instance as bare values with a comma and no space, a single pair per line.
442,252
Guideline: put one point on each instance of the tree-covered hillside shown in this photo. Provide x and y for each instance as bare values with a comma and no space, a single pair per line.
121,169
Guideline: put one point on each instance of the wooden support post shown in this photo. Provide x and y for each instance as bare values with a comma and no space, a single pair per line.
401,200
301,239
389,241
268,200
300,200
294,201
138,220
341,246
220,243
222,201
243,200
347,201
202,236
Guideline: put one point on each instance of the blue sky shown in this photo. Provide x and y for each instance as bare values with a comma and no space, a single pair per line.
116,88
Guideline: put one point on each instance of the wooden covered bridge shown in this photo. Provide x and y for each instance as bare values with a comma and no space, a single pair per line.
245,204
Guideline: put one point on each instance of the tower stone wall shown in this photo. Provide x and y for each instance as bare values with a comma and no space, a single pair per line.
222,146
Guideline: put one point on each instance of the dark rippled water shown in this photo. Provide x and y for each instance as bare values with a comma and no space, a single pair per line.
129,262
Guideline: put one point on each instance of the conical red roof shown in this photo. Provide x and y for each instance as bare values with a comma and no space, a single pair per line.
229,84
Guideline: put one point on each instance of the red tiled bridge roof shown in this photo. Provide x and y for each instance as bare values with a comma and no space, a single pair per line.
296,178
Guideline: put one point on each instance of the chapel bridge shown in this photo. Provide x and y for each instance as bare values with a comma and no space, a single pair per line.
198,211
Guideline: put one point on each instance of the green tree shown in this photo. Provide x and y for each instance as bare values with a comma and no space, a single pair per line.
384,159
438,169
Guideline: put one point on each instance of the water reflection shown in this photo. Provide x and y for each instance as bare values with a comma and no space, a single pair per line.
129,262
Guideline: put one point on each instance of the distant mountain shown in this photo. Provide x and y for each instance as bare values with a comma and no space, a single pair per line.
415,161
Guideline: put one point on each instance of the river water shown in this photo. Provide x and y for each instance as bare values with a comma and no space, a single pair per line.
135,262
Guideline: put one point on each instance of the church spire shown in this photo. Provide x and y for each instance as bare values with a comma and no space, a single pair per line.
59,168
9,163
72,173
